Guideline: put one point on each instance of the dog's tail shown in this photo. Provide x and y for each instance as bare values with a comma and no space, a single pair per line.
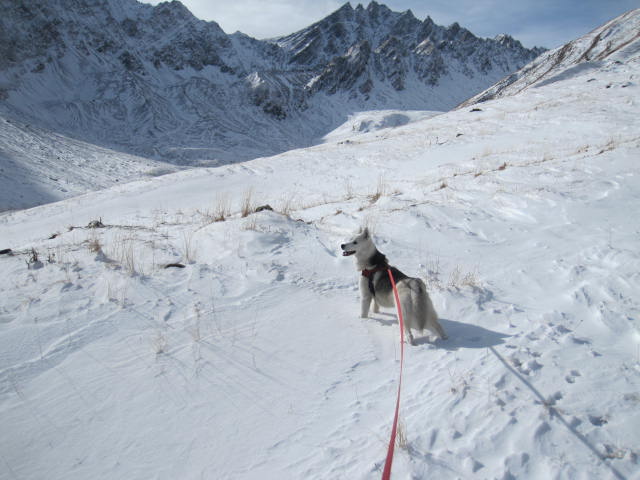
429,315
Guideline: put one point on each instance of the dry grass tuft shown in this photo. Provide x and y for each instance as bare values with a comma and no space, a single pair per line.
401,436
381,190
222,208
247,206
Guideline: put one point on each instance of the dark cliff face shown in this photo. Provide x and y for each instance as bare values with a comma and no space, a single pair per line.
156,80
351,47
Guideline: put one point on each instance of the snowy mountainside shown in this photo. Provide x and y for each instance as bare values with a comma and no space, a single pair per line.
251,362
38,166
614,42
155,81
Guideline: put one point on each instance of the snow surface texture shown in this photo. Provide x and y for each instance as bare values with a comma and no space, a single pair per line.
251,362
38,166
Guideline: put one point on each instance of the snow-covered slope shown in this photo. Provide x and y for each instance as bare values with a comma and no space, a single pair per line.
251,362
614,42
39,166
155,81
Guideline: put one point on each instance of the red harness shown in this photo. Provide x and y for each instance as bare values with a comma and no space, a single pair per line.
369,274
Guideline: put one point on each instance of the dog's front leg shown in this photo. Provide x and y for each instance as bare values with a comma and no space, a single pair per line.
409,336
365,297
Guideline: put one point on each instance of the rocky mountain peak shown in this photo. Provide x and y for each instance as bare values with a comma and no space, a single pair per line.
157,81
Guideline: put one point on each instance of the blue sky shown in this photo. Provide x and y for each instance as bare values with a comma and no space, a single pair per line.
548,23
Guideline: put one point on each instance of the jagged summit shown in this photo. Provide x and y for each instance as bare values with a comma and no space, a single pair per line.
157,81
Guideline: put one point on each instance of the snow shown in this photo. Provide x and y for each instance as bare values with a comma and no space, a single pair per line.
251,362
377,120
40,166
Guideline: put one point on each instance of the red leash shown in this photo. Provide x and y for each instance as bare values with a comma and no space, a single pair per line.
386,473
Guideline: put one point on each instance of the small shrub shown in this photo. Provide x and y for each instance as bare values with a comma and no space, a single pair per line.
401,436
94,245
33,261
248,205
381,190
471,279
123,253
454,277
348,186
188,247
221,209
458,278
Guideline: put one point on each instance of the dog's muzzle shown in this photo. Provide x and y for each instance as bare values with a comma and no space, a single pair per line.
346,253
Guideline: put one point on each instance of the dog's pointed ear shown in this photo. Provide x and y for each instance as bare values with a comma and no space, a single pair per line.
366,233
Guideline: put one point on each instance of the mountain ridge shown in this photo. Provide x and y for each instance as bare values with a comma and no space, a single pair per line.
156,81
615,41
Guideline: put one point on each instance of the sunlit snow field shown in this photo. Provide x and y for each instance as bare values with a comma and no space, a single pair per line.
251,361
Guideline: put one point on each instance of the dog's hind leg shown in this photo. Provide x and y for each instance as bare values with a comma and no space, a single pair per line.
432,321
431,317
407,330
439,330
409,312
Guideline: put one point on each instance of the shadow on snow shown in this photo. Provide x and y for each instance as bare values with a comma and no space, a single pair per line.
461,335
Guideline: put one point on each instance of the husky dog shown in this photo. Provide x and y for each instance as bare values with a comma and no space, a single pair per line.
375,285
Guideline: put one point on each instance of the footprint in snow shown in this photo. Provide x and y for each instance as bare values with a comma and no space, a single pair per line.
580,341
571,377
542,429
598,420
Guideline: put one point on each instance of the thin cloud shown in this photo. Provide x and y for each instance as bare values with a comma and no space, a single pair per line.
261,19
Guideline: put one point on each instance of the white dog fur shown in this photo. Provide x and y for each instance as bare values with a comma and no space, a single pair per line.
375,286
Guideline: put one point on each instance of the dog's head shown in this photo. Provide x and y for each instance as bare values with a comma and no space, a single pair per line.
361,245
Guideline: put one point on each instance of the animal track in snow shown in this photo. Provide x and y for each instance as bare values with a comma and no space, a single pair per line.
528,366
598,420
571,377
580,341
